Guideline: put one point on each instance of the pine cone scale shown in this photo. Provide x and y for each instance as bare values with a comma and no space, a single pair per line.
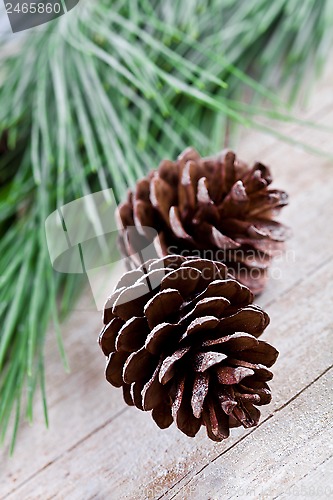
168,368
200,391
139,366
132,335
114,368
153,393
184,419
162,336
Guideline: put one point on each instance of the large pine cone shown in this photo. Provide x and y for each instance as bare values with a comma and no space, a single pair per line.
216,208
180,338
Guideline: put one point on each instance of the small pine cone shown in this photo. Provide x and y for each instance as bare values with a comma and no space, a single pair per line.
180,338
217,208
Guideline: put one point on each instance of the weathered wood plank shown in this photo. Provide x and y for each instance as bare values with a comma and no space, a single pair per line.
317,483
271,459
130,457
310,245
253,142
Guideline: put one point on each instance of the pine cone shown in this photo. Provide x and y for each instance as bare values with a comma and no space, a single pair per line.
216,208
180,338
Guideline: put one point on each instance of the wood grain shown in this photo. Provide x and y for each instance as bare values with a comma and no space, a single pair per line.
271,459
316,483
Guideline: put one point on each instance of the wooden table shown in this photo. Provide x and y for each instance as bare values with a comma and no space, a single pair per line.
97,447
